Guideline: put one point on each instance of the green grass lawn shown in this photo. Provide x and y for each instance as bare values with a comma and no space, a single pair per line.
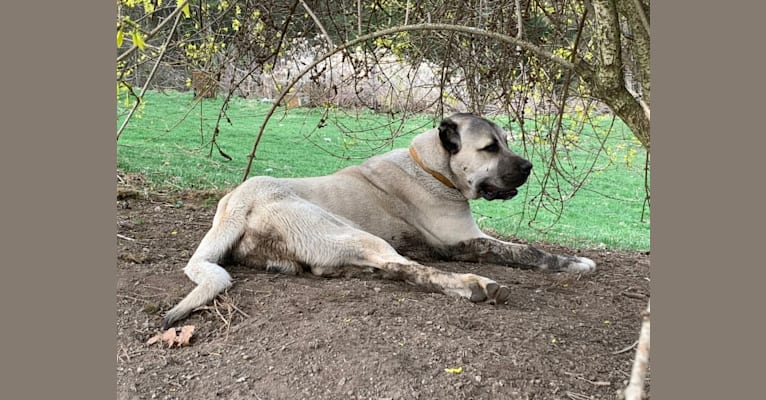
168,141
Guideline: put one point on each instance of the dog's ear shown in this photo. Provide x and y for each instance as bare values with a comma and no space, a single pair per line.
449,136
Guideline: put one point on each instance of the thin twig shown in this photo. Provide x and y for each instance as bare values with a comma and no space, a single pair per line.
125,296
319,24
242,313
519,24
647,197
576,396
597,383
227,322
149,79
634,295
581,69
151,34
626,348
126,238
582,378
125,352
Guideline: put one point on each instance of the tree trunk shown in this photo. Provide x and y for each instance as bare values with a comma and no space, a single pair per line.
606,77
628,108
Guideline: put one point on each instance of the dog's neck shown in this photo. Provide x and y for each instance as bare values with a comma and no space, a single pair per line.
441,178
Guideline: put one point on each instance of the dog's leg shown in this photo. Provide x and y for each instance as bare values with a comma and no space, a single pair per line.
473,287
374,252
202,268
491,250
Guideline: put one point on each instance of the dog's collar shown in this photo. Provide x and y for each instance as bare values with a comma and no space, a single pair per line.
441,178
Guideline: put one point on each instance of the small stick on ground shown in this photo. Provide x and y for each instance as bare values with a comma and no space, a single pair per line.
125,352
226,322
583,378
130,239
125,296
576,396
244,314
626,348
633,295
635,389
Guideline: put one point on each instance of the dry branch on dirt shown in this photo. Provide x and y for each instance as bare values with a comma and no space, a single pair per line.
635,389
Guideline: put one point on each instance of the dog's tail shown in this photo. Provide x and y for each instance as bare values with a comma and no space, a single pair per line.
211,279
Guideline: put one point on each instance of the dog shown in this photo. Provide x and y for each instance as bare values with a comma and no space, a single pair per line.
362,216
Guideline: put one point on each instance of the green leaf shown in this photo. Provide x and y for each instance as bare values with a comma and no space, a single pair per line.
120,35
186,10
138,40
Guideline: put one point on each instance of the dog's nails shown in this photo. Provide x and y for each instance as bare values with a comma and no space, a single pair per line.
167,322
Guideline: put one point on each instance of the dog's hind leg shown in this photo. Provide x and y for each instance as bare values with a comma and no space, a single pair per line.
470,286
352,247
203,268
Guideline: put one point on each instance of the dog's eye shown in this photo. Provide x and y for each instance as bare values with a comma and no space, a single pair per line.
492,148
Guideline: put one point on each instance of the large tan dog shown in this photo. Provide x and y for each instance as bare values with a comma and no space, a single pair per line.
406,200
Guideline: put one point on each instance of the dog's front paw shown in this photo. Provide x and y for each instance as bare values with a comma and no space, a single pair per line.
580,264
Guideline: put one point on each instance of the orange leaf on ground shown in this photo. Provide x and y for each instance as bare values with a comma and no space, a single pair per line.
179,337
186,333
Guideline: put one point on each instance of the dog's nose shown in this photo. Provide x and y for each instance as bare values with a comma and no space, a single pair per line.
525,167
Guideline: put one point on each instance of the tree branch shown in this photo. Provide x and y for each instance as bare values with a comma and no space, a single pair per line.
151,34
639,46
149,79
319,24
641,14
579,67
607,35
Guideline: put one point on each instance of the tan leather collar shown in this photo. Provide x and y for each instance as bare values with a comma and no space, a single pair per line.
441,178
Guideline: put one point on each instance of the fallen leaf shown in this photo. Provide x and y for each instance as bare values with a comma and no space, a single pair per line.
153,339
186,333
174,336
454,370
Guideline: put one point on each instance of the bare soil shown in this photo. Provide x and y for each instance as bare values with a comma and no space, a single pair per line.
560,336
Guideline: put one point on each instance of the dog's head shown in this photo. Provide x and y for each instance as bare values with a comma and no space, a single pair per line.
480,159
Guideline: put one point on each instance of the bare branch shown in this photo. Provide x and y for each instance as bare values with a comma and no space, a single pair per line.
635,389
407,12
151,34
151,76
418,27
319,24
130,239
519,21
641,14
359,16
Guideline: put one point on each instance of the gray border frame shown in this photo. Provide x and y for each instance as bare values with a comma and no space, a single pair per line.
58,170
707,218
58,204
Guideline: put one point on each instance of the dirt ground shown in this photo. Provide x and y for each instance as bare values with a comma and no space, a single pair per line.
560,336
